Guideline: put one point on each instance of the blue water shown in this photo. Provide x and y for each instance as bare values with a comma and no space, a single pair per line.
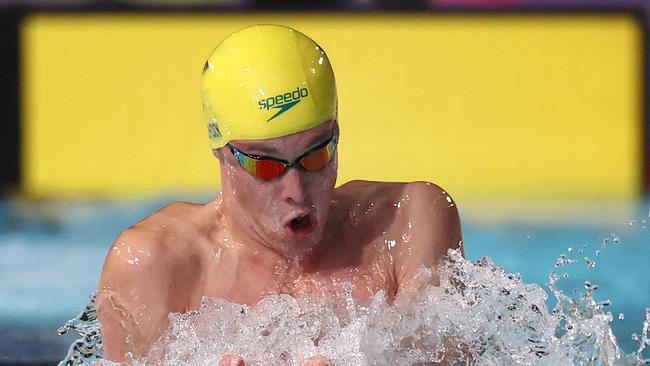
51,253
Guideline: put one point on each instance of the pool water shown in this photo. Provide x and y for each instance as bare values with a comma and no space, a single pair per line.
51,253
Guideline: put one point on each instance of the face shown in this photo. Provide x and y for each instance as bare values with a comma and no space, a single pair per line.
287,213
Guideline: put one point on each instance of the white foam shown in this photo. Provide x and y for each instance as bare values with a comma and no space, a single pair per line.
478,314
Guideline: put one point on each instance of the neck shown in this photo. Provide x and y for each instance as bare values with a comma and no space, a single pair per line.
246,243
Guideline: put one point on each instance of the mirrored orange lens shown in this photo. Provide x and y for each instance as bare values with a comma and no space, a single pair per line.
268,169
317,159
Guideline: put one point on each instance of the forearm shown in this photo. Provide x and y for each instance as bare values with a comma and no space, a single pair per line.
126,334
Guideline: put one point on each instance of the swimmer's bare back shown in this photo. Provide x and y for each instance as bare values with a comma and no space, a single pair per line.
377,237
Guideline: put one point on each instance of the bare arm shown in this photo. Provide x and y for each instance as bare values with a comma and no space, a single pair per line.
433,218
132,298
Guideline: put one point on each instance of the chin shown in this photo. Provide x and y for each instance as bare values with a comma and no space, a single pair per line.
301,240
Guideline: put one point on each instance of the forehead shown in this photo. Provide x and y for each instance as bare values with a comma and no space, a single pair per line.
294,143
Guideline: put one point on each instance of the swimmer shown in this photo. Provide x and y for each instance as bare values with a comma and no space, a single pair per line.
279,225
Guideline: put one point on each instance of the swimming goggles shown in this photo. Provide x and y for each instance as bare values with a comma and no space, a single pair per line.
265,167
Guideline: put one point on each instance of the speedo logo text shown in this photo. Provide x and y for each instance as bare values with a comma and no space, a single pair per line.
283,102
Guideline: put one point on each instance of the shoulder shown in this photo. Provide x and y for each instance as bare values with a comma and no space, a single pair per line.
358,190
422,207
426,219
432,213
408,194
148,253
434,225
144,278
430,198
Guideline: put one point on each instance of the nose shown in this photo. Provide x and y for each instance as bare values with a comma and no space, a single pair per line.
294,185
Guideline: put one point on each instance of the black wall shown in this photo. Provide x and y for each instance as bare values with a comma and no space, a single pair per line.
9,101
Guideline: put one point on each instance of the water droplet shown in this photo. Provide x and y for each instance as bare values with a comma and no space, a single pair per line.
570,249
604,303
589,262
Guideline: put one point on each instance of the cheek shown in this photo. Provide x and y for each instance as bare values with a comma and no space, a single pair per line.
247,191
327,176
322,185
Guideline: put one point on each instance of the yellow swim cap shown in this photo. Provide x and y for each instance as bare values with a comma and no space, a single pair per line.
266,81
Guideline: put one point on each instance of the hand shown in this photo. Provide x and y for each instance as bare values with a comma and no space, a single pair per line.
316,361
231,360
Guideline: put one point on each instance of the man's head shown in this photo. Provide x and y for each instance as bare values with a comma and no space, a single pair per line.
271,108
266,81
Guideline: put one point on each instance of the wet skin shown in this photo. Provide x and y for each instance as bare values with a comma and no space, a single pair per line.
295,234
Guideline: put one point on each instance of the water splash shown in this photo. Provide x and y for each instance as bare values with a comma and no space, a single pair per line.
478,315
89,347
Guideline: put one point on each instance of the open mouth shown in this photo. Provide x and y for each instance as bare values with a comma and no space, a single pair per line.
302,224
